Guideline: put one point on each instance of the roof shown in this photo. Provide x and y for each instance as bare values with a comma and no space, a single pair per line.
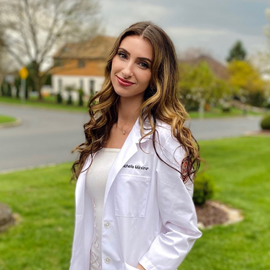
97,48
217,68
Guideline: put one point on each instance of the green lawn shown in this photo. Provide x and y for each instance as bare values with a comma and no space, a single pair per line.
6,119
50,103
47,103
217,113
240,168
44,199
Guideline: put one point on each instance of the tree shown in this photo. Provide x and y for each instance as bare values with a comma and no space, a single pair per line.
2,70
33,28
247,82
6,66
199,84
237,52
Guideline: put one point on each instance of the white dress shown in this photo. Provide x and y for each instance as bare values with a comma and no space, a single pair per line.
95,185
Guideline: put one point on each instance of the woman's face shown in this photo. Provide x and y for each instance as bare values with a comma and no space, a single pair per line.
131,67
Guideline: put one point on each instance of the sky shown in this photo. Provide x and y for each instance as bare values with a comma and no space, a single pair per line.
212,26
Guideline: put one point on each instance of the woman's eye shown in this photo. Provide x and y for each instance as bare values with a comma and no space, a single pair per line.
121,55
144,65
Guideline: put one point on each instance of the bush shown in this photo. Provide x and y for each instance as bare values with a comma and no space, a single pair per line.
59,98
2,90
226,109
256,99
203,189
80,91
9,94
69,100
265,123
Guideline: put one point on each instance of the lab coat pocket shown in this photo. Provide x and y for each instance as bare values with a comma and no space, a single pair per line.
131,195
129,267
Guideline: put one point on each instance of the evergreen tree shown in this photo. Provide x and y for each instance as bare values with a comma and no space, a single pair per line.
237,52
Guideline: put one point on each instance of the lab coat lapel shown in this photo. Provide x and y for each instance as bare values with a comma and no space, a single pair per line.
129,148
80,187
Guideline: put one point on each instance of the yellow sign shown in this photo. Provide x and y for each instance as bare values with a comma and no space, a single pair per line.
23,73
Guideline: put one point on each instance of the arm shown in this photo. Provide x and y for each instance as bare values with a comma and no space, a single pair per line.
177,211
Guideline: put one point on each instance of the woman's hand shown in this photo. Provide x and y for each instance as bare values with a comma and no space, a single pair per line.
140,267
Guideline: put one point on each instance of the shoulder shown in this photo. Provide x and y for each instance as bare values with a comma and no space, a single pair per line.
165,136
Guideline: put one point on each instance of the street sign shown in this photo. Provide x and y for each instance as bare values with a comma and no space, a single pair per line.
23,73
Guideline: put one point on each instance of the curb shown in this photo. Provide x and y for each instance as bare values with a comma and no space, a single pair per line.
261,133
30,168
15,123
27,106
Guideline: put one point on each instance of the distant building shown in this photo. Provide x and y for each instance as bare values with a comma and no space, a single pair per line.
217,68
81,66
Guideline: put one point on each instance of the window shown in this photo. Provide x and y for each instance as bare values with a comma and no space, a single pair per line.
65,49
58,63
81,63
81,84
59,85
92,87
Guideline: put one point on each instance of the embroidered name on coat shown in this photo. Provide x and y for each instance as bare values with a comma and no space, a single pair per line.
137,167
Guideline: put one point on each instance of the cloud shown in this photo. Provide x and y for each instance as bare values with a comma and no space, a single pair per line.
120,14
216,42
210,24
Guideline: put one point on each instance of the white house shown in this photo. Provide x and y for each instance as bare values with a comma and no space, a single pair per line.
81,66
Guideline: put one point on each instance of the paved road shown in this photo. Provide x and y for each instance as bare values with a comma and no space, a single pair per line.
206,129
44,137
47,137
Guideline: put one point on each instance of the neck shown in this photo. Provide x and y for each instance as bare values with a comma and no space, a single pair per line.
128,111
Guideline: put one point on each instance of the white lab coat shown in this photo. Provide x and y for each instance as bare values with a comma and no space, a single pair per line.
148,215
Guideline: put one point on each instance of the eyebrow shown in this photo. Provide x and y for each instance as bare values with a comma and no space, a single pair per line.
141,58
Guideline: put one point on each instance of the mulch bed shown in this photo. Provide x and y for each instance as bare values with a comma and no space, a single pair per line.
259,133
210,215
6,218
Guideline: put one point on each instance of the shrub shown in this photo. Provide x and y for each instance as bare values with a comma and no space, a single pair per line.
9,94
203,189
265,123
226,109
2,90
80,91
69,100
59,98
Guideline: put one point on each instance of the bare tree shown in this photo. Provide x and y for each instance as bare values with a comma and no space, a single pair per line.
32,29
6,65
1,57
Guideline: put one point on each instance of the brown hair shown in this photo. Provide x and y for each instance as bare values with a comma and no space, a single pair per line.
160,101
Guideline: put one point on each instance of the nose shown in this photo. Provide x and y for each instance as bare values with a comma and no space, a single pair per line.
127,71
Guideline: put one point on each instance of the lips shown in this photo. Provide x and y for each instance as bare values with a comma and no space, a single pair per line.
123,82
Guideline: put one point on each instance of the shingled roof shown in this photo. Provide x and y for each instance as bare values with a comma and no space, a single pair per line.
217,68
97,48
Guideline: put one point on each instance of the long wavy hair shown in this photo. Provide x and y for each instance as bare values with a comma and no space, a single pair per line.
160,102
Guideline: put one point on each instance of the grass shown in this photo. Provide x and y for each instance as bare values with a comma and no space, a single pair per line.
44,199
47,103
217,113
6,119
241,170
50,103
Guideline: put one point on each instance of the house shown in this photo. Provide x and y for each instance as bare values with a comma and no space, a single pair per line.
81,66
217,68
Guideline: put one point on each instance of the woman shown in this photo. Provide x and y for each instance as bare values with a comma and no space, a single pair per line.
134,206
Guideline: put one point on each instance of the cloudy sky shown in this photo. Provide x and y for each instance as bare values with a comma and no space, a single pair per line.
212,25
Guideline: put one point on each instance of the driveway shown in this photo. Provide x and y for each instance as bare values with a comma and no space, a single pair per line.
44,137
207,129
47,137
